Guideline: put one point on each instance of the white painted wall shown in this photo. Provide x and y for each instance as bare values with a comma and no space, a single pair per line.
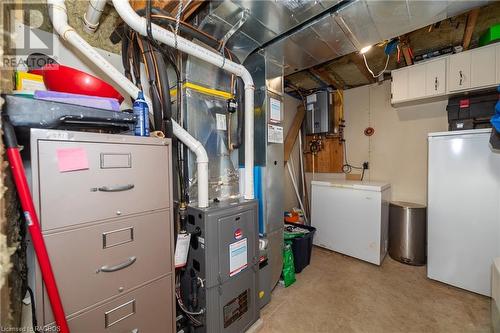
397,152
290,109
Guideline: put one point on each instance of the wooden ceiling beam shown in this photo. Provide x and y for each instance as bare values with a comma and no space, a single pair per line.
140,4
469,28
357,60
191,9
406,49
171,7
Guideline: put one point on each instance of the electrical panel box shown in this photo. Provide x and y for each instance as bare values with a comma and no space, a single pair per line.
318,113
224,254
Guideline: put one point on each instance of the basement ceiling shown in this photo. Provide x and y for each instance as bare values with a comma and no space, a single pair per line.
448,32
333,28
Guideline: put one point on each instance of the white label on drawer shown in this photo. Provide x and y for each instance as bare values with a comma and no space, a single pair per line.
238,256
221,121
182,249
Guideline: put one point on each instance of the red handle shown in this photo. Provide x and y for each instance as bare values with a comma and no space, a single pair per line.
18,173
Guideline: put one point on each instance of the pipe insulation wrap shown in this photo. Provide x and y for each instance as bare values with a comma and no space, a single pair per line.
59,18
139,24
92,15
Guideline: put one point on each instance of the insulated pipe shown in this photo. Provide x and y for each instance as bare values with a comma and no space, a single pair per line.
93,14
139,24
59,18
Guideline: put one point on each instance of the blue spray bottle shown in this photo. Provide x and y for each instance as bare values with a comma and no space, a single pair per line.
141,111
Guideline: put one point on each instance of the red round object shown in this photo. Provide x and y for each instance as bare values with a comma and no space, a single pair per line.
369,131
70,80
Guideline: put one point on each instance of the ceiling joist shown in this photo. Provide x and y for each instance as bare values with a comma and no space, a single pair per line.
191,9
469,27
406,50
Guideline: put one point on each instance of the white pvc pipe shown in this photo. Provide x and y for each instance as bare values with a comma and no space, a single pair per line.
93,14
139,24
59,19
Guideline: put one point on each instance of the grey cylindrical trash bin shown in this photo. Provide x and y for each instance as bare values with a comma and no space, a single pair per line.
408,232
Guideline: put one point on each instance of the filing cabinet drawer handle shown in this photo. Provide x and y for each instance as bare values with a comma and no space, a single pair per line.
109,269
118,188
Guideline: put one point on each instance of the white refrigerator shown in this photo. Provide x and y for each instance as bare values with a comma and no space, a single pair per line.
463,217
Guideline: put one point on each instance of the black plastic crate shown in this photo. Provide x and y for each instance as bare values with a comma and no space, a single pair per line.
475,105
302,247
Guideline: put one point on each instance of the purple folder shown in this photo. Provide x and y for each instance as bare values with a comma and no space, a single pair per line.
104,103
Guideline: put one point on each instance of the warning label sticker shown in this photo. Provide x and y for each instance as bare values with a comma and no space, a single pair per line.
274,134
238,256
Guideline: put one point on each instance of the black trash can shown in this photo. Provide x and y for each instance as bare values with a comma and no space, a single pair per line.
302,247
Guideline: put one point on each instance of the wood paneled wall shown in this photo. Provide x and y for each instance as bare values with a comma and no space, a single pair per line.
329,159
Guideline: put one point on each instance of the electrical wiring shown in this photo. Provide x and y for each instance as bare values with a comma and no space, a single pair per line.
177,20
34,322
346,167
369,69
190,314
136,50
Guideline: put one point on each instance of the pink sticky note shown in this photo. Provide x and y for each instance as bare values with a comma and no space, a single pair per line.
72,159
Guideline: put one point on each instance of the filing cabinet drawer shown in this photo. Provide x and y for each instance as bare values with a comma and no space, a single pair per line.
121,179
148,309
94,263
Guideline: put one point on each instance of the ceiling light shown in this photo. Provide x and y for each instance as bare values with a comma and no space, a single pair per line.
365,49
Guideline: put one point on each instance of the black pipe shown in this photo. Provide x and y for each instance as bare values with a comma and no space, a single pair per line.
305,24
167,103
136,61
153,85
240,92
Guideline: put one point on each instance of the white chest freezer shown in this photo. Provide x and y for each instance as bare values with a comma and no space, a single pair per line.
463,214
352,218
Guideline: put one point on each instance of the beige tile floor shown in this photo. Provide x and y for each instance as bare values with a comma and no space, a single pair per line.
337,293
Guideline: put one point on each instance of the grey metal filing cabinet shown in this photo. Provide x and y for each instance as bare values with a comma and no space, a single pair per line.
105,209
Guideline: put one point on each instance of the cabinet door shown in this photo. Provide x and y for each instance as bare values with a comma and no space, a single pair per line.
482,72
399,85
435,76
459,71
416,81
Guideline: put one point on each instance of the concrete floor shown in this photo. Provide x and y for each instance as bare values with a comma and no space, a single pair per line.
337,293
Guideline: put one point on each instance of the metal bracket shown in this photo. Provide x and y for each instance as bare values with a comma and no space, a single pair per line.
245,14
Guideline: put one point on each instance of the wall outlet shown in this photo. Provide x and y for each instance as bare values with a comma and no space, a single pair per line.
366,166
